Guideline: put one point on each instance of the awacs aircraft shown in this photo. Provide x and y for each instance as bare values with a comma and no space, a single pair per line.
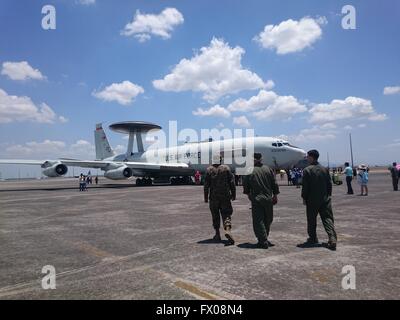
175,164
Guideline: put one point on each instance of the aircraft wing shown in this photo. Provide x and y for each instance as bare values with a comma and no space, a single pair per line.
139,167
67,162
143,166
27,162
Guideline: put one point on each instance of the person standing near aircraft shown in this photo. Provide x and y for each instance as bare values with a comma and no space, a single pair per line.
316,194
197,177
82,182
262,190
348,171
219,190
394,172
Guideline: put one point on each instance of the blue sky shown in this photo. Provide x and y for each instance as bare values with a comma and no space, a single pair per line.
72,70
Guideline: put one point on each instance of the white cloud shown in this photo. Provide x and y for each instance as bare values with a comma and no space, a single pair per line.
63,119
82,148
314,134
348,128
291,35
120,149
86,2
220,125
350,108
328,126
216,71
14,108
267,105
362,125
124,93
33,149
21,71
241,121
378,117
215,111
51,149
391,90
144,26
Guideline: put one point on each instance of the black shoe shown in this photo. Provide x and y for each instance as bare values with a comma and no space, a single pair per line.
217,237
331,245
309,243
262,245
270,244
312,240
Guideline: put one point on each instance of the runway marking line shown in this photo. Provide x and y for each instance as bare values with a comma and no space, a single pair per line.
195,290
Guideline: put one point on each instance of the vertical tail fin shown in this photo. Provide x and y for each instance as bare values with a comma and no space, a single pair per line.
103,149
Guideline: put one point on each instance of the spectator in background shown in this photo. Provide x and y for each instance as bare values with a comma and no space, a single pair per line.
348,171
289,177
362,178
395,176
81,182
294,177
197,177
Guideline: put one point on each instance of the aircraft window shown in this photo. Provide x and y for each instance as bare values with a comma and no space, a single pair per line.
274,145
285,144
279,144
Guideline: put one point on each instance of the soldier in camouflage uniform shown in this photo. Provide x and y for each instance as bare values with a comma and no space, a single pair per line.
316,194
262,190
220,189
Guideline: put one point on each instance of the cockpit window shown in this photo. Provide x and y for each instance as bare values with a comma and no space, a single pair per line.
279,144
274,145
286,144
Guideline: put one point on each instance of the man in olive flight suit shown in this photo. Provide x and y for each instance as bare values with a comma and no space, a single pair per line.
316,194
262,190
220,189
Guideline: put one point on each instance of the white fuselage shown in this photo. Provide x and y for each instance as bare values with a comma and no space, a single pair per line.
276,153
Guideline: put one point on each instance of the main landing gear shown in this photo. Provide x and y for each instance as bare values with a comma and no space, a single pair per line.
181,181
144,182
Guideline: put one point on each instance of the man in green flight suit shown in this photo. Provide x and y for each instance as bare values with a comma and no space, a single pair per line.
220,189
262,190
316,194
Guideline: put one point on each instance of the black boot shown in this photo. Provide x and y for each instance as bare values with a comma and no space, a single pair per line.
217,236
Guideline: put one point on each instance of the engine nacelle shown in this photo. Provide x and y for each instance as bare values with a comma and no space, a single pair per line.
56,170
119,174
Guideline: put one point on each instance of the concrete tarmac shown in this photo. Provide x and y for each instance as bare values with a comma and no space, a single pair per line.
119,241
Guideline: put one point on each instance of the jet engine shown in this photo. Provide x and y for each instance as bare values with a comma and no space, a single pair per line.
55,170
120,173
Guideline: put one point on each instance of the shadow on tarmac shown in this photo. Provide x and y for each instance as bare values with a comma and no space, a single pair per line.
212,241
248,245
